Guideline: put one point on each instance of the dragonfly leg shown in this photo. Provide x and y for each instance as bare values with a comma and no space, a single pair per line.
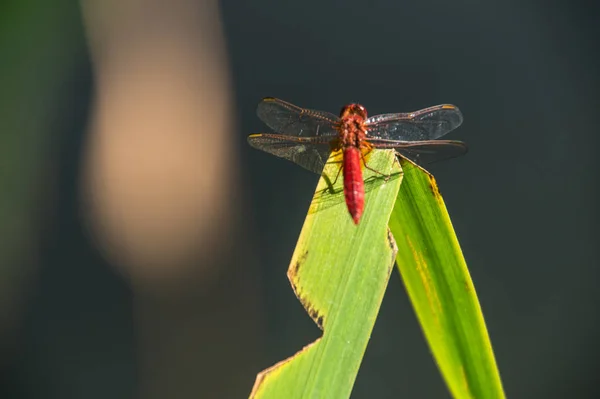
387,177
336,176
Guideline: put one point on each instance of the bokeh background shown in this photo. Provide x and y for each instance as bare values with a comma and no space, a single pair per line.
144,245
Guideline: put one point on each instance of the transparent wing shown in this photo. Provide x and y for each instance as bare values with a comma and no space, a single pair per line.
310,153
290,120
427,124
424,152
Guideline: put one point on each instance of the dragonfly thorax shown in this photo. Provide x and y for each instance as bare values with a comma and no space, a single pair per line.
352,125
354,110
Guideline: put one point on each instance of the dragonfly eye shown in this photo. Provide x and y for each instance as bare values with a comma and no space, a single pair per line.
354,109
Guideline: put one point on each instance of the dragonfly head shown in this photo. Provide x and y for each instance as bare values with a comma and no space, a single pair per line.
354,110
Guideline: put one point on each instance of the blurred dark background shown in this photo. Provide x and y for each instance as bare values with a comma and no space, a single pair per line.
144,245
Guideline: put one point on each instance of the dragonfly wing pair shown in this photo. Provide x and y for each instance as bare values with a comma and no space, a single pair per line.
426,124
310,154
424,152
306,137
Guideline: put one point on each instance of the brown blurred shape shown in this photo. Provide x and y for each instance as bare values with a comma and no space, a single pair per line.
160,167
160,190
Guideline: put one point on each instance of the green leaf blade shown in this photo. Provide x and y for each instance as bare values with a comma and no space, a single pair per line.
440,288
339,271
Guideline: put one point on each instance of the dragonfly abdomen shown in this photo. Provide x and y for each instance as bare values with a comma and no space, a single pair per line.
354,189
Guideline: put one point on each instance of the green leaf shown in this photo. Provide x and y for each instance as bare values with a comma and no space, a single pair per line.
439,285
339,271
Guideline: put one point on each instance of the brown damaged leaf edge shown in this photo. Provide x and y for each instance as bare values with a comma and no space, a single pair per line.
292,274
393,247
434,187
467,286
293,271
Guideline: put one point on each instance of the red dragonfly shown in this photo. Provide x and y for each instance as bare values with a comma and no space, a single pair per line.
307,137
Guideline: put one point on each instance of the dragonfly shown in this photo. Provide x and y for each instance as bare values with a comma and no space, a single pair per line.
307,137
